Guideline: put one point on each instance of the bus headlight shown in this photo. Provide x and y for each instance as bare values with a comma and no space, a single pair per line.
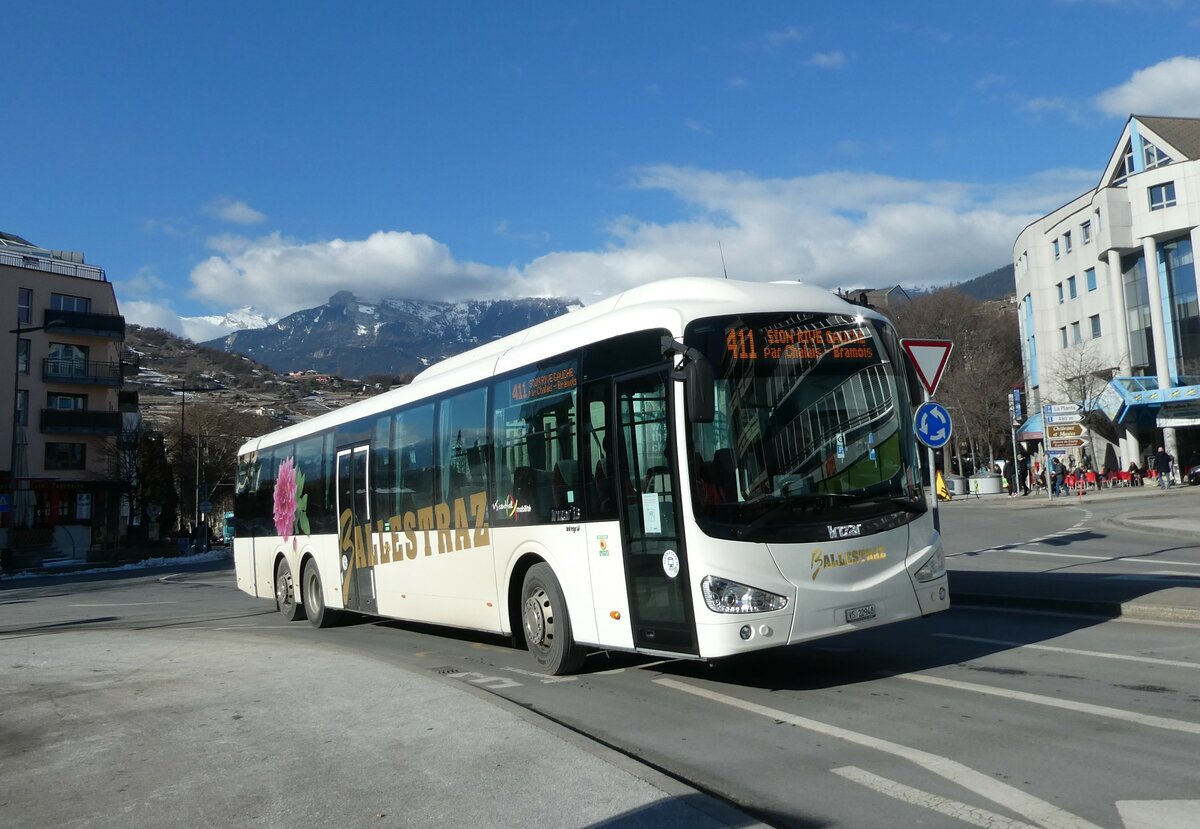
934,566
725,596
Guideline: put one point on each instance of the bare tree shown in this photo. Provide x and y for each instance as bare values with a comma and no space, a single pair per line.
1080,375
984,366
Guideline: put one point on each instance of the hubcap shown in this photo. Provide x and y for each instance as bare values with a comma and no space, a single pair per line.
539,616
283,589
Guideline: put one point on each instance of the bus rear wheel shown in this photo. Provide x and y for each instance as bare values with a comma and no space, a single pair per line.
319,616
546,623
285,592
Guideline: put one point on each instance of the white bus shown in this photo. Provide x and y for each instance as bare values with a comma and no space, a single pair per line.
694,468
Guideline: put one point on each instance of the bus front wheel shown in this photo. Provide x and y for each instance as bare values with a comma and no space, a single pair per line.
546,623
319,616
285,592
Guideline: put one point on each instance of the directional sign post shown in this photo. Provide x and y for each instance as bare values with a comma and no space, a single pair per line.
929,358
1062,426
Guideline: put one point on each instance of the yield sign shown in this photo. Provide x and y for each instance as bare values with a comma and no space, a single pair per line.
929,358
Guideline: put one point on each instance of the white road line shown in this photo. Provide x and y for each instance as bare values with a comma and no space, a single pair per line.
918,797
1182,726
120,604
1153,562
1039,811
1149,660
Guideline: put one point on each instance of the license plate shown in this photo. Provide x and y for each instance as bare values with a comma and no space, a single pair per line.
859,614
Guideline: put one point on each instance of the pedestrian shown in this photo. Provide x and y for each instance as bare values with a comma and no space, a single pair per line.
185,538
1060,477
1135,474
1162,467
1023,474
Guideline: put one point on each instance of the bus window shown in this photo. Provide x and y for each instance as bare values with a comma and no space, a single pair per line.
538,474
463,444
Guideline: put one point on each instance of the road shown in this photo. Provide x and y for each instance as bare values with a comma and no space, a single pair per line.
979,716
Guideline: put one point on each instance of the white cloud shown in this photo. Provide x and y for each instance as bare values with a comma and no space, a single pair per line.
143,283
828,60
280,275
1171,87
235,212
779,38
836,229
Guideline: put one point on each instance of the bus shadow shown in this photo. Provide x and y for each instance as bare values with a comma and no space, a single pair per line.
980,625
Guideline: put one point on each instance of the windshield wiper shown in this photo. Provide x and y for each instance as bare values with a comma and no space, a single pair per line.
818,502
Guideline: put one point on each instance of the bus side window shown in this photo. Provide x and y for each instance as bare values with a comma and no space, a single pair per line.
597,455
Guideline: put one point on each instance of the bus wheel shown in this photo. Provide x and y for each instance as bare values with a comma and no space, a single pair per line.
285,592
546,623
319,616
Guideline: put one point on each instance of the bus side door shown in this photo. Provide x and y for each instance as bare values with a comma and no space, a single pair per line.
654,551
355,552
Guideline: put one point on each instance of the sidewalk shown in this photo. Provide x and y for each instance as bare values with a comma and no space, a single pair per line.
1171,516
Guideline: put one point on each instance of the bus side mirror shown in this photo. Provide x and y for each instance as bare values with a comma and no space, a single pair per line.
696,375
699,392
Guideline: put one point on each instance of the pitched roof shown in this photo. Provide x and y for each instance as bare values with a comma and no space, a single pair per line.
1181,133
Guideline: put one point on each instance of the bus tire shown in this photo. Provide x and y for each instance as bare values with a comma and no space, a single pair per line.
546,623
285,592
319,616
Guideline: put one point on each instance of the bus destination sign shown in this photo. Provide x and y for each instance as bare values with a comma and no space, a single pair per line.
551,382
798,344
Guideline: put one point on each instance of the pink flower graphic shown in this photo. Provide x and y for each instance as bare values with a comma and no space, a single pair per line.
285,498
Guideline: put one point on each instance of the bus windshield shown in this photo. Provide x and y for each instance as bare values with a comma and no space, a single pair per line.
813,428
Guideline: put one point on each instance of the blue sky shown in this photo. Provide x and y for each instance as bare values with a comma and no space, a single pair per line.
214,155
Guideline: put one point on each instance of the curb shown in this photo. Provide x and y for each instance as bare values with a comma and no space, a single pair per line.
1106,610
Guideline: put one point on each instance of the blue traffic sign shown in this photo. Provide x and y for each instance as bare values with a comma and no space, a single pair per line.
933,424
4,502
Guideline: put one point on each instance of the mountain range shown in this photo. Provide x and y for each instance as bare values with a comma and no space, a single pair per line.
350,337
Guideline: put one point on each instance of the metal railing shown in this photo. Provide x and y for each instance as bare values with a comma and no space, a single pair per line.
81,371
80,421
85,323
51,265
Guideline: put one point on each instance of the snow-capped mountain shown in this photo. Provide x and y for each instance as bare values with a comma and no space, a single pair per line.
353,338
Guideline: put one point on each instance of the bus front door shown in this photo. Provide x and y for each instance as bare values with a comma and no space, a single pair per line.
655,557
354,529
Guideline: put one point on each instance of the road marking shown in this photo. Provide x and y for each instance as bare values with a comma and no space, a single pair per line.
1149,660
918,797
1158,814
543,678
1166,723
119,604
1154,562
1039,811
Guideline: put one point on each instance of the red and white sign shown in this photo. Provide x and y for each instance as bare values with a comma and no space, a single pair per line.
929,358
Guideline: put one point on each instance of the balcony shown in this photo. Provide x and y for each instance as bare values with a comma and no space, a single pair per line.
80,422
36,259
85,324
80,372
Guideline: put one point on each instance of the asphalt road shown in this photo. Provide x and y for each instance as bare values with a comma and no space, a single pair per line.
179,701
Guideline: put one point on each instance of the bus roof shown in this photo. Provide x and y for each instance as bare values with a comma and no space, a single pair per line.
668,303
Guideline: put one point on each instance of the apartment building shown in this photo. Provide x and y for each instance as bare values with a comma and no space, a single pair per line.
1107,300
60,396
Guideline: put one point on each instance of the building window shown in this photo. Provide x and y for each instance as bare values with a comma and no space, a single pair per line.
1060,293
22,407
1090,276
1063,332
1162,195
1056,253
23,347
1095,321
68,402
1076,333
66,456
1085,231
1067,241
66,302
1153,156
24,306
1071,287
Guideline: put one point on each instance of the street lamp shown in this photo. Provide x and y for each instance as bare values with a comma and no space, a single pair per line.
12,458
